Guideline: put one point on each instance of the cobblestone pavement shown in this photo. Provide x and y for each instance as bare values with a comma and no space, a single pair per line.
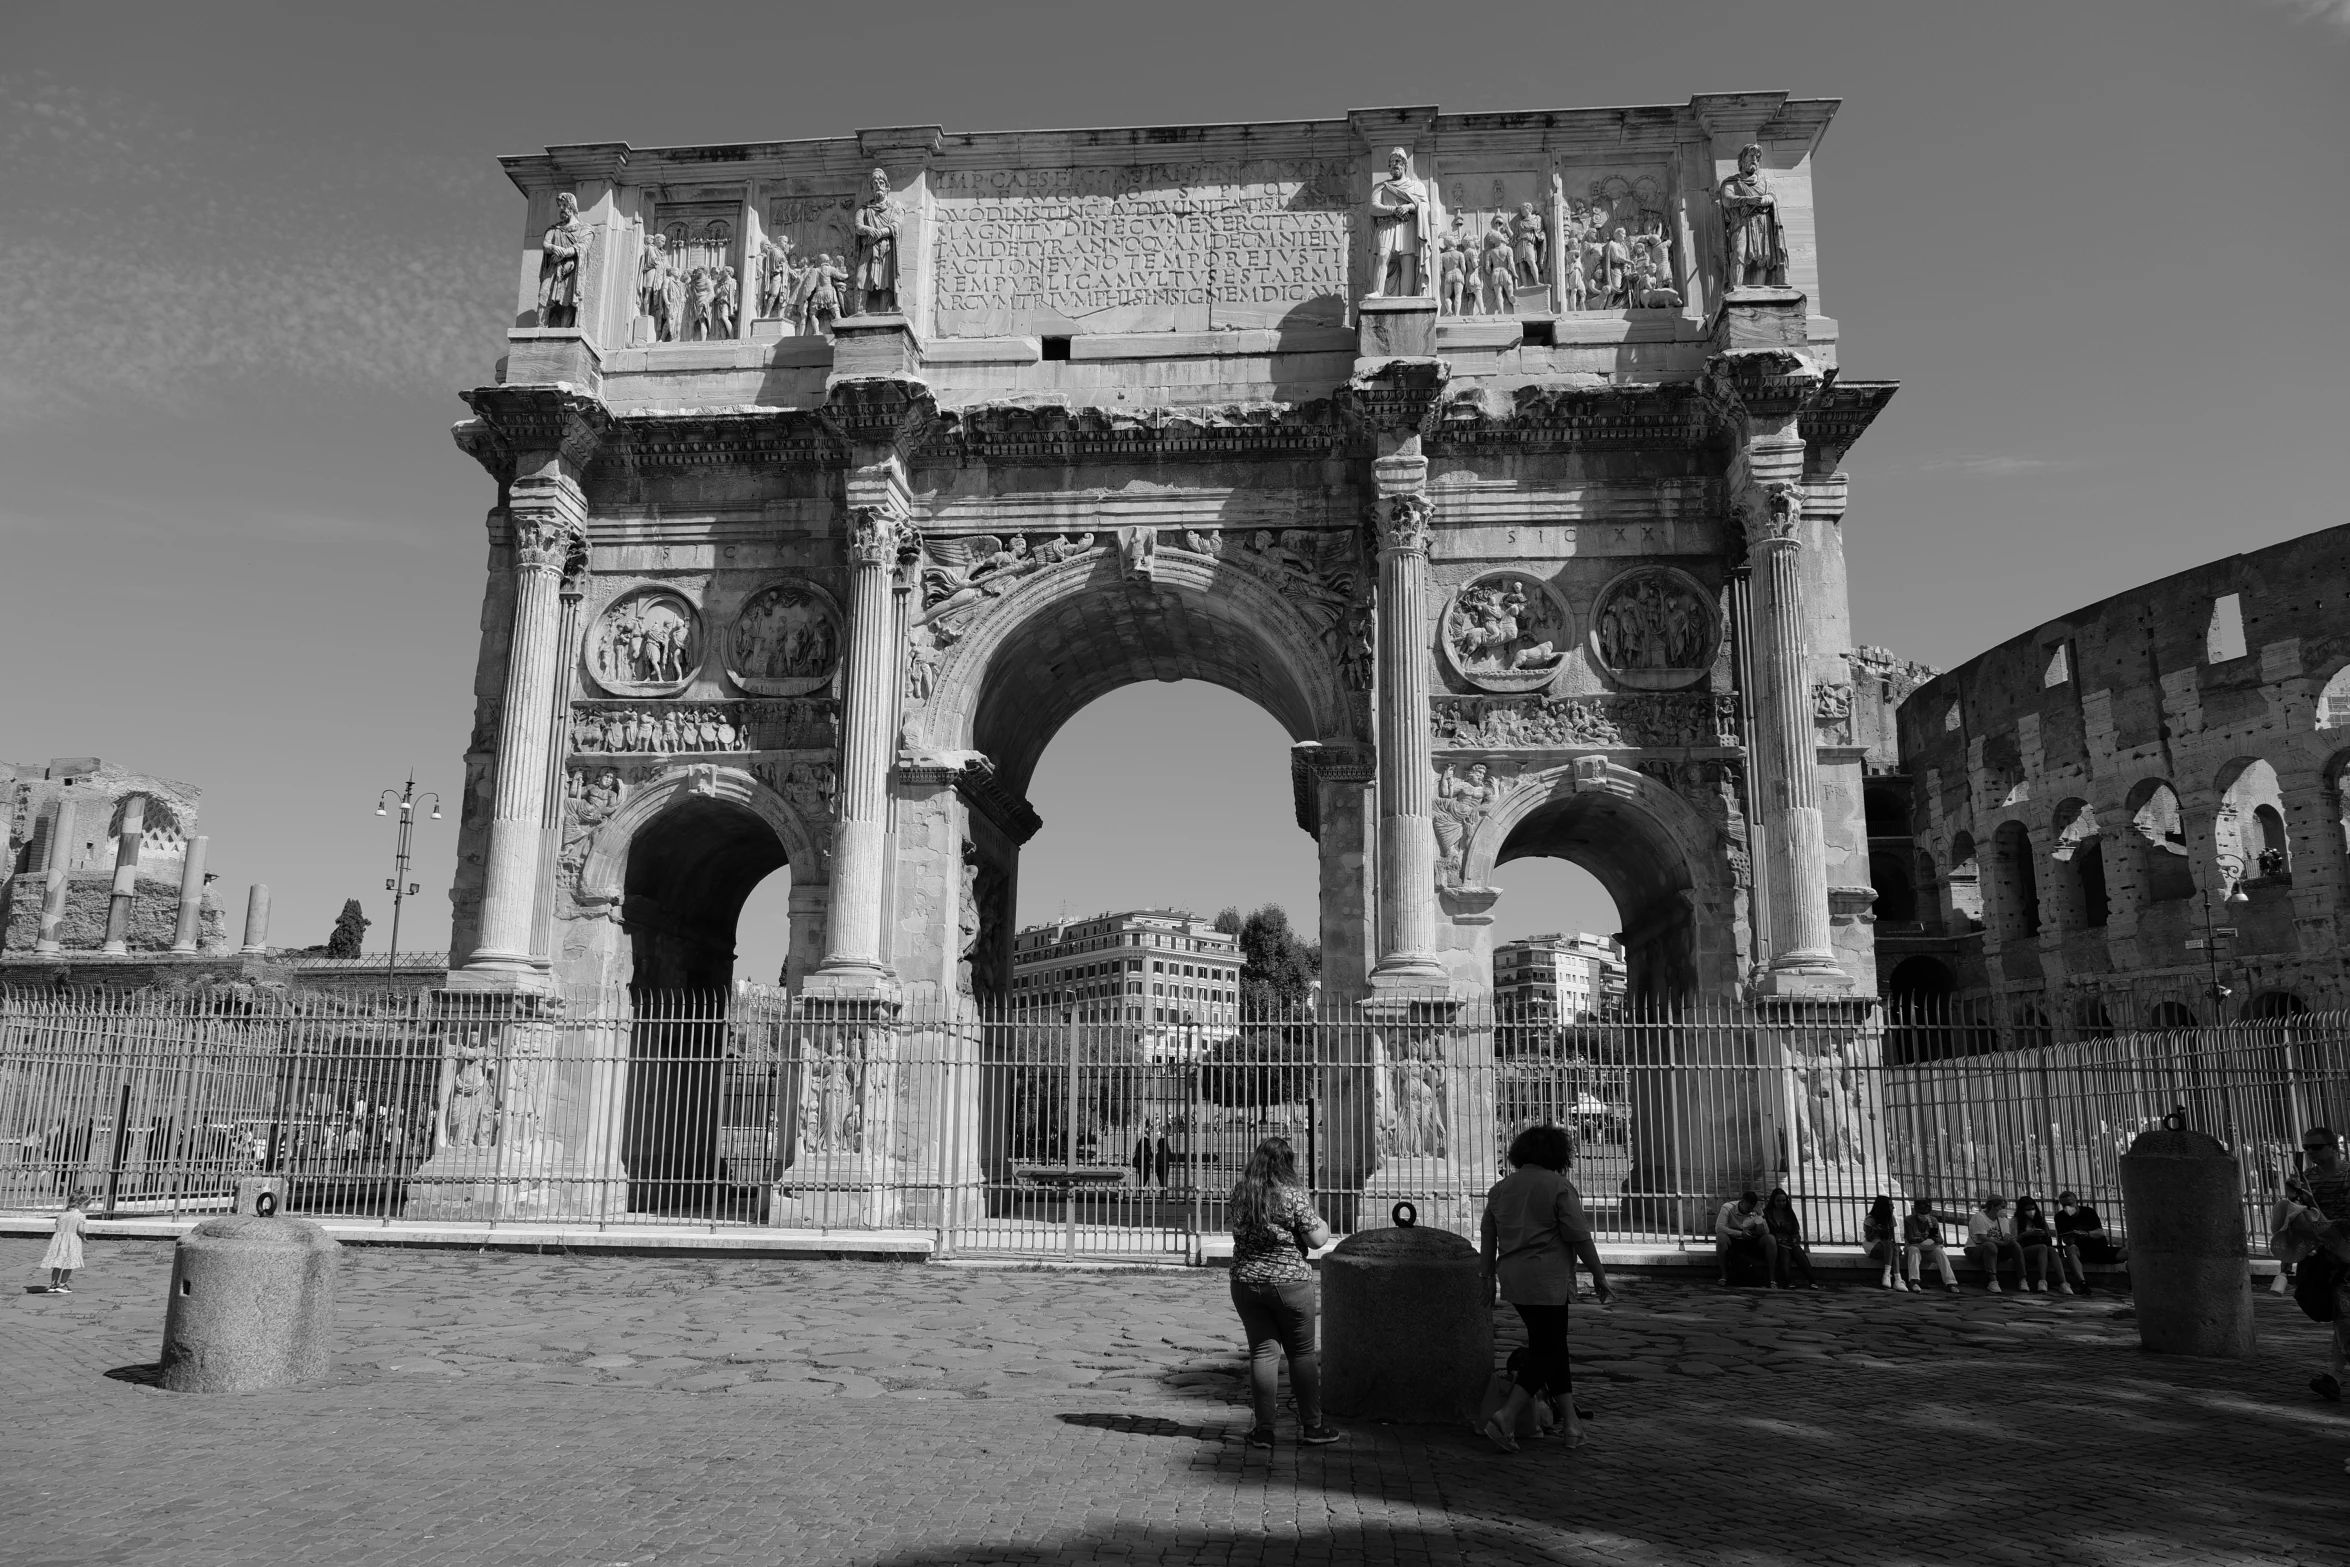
493,1407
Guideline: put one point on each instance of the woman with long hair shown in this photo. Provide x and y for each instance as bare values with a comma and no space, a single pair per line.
1881,1233
1274,1228
1533,1230
2035,1237
1786,1227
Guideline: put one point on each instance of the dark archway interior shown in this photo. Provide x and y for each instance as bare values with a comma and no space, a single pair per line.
1642,871
689,871
1069,653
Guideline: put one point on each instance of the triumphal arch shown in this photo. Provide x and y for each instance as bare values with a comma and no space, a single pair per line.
1497,456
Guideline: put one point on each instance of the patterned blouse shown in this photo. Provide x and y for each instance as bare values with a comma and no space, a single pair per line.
1271,1249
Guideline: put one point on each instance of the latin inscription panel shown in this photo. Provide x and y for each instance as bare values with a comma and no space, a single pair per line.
1160,247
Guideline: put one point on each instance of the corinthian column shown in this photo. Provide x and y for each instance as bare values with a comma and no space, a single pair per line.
546,521
1407,827
868,736
1786,770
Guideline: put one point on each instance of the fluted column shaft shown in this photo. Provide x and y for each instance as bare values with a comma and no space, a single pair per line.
545,533
1407,826
1787,774
868,735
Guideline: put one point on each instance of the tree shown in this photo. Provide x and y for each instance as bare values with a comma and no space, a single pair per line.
1277,971
350,931
1228,921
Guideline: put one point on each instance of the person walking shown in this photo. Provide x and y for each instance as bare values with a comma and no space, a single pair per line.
65,1247
1533,1230
1274,1227
2314,1237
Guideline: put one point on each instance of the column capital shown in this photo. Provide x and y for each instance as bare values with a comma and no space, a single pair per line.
878,535
520,430
1401,523
1772,514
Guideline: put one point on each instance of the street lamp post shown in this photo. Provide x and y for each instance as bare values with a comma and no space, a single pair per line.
2235,898
398,885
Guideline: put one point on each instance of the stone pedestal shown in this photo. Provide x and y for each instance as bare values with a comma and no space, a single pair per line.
2182,1202
252,1304
874,346
528,1120
1396,328
1407,1329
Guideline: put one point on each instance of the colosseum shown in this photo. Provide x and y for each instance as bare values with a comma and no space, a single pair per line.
2128,817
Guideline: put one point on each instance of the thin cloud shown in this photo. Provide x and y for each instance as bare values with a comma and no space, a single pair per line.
2330,13
1988,465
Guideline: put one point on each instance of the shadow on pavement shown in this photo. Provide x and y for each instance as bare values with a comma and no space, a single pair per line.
1145,1425
144,1376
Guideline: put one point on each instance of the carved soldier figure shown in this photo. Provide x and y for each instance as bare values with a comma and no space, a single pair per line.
775,276
873,288
653,286
1750,224
1576,289
820,293
1527,227
697,305
1453,275
724,295
1399,229
559,256
1500,269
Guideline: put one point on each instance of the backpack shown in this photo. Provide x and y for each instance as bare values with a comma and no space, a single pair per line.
2314,1280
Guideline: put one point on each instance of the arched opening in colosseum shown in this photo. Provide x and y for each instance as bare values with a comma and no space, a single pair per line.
2080,858
1918,995
1963,887
2092,1021
2161,832
2248,832
2017,884
2170,1014
2333,702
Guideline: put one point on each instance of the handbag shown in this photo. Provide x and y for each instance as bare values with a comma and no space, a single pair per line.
2316,1278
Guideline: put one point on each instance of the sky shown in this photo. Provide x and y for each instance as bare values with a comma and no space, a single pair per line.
255,250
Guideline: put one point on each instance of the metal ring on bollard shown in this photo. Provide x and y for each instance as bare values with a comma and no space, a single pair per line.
2176,1121
1404,1215
265,1205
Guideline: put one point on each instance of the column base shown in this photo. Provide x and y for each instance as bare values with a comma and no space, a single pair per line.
850,982
1411,978
1443,1196
532,1181
115,949
831,1192
500,976
1803,974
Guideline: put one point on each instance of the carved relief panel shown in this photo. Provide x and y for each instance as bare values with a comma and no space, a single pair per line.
786,641
647,642
1493,257
804,259
1506,631
1654,629
1617,249
689,275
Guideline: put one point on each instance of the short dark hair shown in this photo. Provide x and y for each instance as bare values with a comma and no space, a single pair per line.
1748,1195
2328,1133
2068,1196
1548,1146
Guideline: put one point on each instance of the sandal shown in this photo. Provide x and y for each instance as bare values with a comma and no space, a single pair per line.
2327,1387
1500,1438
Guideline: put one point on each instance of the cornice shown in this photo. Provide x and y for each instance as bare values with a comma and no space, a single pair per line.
554,420
1555,417
796,439
1396,396
1837,418
1052,434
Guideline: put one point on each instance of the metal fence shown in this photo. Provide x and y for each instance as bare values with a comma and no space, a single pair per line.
1028,1133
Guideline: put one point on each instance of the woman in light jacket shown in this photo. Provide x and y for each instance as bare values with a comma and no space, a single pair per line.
1534,1229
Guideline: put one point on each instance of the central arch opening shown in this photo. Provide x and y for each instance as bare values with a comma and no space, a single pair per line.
1639,870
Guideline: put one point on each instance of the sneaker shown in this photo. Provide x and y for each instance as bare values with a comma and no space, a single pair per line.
1316,1436
2063,1288
1955,1290
2327,1387
1995,1289
1262,1437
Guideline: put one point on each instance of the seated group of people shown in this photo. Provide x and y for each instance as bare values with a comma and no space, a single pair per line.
2047,1253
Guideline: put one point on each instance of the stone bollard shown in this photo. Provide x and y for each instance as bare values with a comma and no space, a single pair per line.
1407,1328
2183,1202
252,1302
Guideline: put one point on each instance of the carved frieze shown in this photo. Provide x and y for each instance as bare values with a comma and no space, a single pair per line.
646,643
786,642
1831,701
961,576
1617,253
1653,629
1698,719
803,273
810,786
1506,630
590,796
687,728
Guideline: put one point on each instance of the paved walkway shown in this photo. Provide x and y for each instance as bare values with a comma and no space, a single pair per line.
496,1408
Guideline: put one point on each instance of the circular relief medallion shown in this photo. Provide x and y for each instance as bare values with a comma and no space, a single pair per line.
1506,631
646,643
1653,629
786,641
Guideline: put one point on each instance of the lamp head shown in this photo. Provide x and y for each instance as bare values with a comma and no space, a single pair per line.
379,807
2236,893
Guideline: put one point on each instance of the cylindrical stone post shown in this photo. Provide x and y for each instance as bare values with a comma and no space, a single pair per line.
868,733
2183,1204
54,882
252,1304
256,919
543,541
1407,1327
1788,774
183,936
126,876
1407,786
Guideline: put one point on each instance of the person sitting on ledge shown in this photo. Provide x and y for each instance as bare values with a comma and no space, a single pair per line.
1740,1230
1921,1237
2313,1235
1880,1232
2043,1258
2081,1236
1991,1242
1786,1228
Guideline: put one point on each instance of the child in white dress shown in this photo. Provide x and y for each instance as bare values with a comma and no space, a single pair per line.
65,1248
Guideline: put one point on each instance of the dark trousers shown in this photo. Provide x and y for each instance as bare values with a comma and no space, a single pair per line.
1279,1320
1792,1254
1545,1368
